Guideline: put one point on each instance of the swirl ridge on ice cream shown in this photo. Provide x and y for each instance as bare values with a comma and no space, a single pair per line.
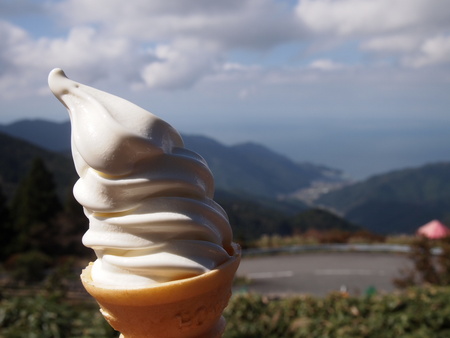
149,200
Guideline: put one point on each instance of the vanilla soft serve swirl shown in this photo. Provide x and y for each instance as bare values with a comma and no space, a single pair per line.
148,199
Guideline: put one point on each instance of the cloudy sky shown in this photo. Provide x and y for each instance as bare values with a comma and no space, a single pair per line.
359,85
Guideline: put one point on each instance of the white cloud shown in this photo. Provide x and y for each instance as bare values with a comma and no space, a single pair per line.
83,48
325,64
12,38
189,40
414,51
180,64
403,29
26,61
10,34
433,51
363,17
233,23
392,43
176,44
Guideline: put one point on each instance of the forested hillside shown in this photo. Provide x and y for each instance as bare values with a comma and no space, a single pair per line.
255,169
16,157
396,202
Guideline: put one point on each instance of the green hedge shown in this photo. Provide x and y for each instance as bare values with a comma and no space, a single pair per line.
46,316
416,312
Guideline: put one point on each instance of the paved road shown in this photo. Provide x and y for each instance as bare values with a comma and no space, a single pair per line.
322,272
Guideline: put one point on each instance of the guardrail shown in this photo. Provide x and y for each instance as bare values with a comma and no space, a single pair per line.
399,248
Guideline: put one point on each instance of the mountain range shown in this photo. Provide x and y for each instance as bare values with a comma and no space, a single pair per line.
247,168
248,177
396,202
52,136
393,202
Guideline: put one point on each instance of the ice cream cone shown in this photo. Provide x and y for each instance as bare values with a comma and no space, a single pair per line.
189,307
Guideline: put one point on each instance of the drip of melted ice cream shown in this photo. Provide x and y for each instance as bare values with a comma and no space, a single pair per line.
149,201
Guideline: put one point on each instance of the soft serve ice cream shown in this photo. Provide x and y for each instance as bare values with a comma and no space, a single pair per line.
148,199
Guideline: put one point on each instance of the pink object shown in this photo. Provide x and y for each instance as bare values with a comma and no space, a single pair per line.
434,230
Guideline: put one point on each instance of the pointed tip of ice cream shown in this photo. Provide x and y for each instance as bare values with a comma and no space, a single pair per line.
56,72
59,83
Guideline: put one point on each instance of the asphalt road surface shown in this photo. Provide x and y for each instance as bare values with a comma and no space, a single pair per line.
322,272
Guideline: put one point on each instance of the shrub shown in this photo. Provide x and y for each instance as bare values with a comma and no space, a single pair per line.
44,315
428,267
418,312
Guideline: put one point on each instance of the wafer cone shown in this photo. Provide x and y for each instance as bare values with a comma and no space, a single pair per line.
189,307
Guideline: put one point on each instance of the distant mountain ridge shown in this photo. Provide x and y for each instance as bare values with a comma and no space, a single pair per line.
247,168
395,202
48,135
254,169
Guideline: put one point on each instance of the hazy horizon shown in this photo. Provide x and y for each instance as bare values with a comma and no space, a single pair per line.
354,167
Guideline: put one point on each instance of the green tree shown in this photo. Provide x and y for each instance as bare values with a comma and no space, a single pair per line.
5,226
33,207
72,224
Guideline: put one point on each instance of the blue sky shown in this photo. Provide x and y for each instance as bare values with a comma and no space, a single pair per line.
359,85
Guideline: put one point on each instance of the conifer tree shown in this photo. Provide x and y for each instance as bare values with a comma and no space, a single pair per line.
33,206
5,226
72,224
